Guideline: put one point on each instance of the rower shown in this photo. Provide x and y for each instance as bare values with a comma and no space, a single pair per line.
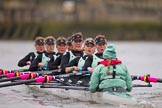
110,75
92,61
69,43
77,41
78,63
28,59
41,62
61,49
61,45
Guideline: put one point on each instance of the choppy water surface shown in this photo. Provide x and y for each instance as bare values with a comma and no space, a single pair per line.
141,58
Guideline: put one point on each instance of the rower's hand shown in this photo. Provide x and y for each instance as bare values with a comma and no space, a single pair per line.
90,69
28,62
41,65
59,67
75,68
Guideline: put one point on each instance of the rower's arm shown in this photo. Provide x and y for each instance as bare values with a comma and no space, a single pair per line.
23,61
128,80
34,66
95,80
64,61
88,63
70,66
54,64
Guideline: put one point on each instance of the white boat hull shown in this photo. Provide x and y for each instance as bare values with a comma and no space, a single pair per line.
98,97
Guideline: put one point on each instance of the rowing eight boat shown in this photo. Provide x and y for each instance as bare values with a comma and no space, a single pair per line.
76,92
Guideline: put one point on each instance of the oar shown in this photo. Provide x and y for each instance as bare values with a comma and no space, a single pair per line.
41,79
4,71
77,87
142,85
65,87
20,70
22,76
9,75
147,78
14,74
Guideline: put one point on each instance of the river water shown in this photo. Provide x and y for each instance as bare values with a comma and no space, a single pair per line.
141,58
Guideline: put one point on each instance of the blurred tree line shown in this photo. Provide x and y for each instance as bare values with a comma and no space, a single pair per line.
117,19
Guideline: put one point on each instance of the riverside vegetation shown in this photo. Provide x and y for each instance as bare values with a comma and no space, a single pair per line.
113,31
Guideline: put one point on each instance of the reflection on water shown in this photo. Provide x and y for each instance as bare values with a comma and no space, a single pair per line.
141,58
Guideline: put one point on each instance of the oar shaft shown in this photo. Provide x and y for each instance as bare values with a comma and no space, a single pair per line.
2,76
43,79
48,71
139,85
152,79
65,87
4,71
22,77
9,79
9,75
17,83
159,80
26,75
20,70
146,78
12,71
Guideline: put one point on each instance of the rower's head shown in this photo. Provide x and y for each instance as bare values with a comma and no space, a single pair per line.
39,44
69,43
77,41
50,44
109,52
101,43
89,46
61,44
